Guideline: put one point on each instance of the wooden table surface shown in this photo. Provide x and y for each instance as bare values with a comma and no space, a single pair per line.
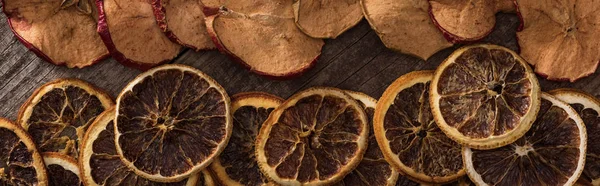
357,61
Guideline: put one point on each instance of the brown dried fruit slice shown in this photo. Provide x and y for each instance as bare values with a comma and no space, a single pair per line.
373,170
59,112
59,32
62,170
408,136
588,108
130,32
560,37
405,26
326,19
263,37
100,164
484,96
20,161
551,153
316,137
175,18
467,20
171,122
237,164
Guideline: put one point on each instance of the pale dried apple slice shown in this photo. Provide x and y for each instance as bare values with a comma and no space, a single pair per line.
61,32
467,20
326,19
183,22
263,37
560,37
130,32
405,26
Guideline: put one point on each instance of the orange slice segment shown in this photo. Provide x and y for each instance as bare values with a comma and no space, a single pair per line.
316,137
588,107
484,96
171,122
408,136
59,112
20,161
373,170
101,165
237,164
552,152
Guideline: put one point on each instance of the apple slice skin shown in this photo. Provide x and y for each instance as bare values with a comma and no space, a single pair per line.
161,18
103,30
36,50
211,14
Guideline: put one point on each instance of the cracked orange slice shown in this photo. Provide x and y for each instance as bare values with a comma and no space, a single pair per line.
552,152
317,137
62,169
484,96
20,161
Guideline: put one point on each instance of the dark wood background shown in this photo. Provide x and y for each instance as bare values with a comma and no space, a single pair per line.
357,61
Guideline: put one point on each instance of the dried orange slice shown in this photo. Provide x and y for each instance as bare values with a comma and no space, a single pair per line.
237,164
171,122
62,169
100,164
588,108
551,153
20,161
373,170
408,136
316,137
484,96
58,114
204,179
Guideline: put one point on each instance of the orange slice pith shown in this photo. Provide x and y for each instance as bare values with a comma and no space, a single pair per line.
408,136
101,165
59,112
373,170
552,152
237,163
316,137
171,121
62,169
588,107
20,161
484,96
205,179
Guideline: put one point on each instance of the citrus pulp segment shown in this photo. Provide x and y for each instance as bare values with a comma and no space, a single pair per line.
484,96
315,137
552,152
408,136
171,121
237,163
59,112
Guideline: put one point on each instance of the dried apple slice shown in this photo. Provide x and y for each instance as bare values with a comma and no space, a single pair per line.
484,96
373,170
405,26
467,20
130,32
326,19
237,164
61,32
59,112
171,122
588,108
408,135
263,37
20,161
176,17
560,37
100,164
551,153
62,170
316,137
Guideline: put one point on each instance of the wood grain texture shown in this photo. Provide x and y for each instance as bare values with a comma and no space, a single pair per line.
357,60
